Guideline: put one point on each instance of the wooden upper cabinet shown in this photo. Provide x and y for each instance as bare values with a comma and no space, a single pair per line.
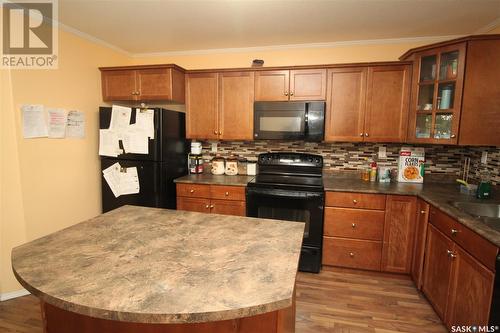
399,233
387,102
272,85
202,106
471,290
437,269
236,95
143,83
293,85
345,104
422,220
307,84
480,119
118,85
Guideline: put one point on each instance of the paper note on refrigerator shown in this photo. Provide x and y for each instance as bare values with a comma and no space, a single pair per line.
34,121
144,120
135,140
76,124
129,181
120,119
57,120
112,177
108,143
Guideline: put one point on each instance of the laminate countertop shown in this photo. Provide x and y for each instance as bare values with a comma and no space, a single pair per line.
439,195
209,179
152,265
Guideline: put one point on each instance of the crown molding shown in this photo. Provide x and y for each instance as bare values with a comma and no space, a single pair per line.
93,39
429,39
487,28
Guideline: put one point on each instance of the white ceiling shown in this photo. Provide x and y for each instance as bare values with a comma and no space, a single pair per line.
155,26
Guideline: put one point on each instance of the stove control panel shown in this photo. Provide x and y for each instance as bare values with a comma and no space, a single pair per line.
291,159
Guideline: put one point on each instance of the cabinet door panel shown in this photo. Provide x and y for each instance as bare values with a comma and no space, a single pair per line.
420,236
236,94
193,204
308,84
202,106
471,291
437,269
228,207
154,84
387,103
345,104
118,85
399,232
272,85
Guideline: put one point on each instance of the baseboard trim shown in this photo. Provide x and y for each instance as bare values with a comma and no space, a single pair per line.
13,294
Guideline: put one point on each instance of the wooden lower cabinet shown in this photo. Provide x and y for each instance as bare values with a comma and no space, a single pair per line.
420,237
399,232
216,199
353,253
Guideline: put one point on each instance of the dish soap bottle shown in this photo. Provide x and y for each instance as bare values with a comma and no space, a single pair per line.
484,187
373,171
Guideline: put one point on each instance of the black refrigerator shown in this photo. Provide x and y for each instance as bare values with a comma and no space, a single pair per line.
156,170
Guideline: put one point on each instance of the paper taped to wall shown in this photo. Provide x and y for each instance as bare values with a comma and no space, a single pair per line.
76,124
34,121
57,123
120,180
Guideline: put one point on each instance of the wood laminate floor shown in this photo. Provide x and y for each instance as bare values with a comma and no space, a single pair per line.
334,301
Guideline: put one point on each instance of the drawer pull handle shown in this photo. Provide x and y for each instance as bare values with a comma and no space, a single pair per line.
454,232
422,212
451,254
207,206
211,206
226,194
354,201
351,254
191,191
354,225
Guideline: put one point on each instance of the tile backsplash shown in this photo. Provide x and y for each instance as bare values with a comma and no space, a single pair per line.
440,159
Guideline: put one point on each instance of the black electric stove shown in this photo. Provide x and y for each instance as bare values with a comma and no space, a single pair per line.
289,187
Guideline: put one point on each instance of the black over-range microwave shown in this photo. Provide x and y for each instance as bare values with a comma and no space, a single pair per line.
289,121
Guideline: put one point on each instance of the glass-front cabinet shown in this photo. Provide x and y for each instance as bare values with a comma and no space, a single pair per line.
436,94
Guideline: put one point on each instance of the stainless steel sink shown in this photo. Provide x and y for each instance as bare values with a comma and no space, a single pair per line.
479,209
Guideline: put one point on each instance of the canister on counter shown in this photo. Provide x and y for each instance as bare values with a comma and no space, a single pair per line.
218,165
242,166
232,166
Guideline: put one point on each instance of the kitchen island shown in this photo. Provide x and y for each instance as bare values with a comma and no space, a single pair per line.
138,269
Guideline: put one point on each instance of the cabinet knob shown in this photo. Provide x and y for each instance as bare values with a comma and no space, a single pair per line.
453,136
360,134
354,201
451,254
366,134
454,232
191,191
220,132
286,93
226,194
422,212
215,132
351,254
291,93
207,206
353,225
211,206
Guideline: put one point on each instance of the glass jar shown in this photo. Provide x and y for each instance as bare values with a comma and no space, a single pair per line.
231,166
242,166
218,165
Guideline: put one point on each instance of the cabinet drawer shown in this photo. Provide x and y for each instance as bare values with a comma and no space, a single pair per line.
228,207
193,204
352,253
355,200
193,190
473,243
227,192
354,223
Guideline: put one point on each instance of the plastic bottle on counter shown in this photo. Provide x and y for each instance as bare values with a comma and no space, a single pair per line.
373,171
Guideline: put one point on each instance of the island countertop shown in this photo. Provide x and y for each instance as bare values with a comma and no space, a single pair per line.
151,265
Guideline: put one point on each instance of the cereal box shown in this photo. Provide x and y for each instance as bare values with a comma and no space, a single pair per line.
411,165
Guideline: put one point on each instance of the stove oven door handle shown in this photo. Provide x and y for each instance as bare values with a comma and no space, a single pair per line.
285,194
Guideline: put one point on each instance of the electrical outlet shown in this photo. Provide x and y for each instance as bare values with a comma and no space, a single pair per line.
214,147
484,157
382,152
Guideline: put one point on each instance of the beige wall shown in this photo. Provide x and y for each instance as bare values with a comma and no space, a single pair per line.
49,184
